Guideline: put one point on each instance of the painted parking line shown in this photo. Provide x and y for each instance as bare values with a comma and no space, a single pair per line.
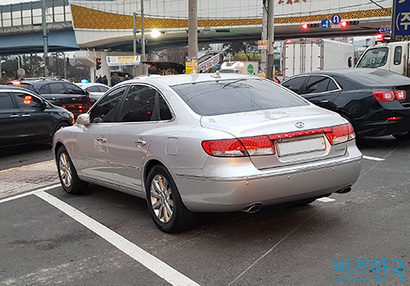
373,158
157,266
29,193
325,200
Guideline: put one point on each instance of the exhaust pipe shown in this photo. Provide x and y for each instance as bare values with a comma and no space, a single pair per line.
345,190
254,208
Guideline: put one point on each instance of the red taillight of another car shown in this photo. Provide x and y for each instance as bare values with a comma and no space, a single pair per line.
389,95
265,145
242,147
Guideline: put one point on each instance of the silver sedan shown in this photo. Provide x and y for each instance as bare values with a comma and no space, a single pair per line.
207,143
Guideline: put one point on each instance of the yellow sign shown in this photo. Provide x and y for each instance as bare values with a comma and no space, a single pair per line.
262,45
191,67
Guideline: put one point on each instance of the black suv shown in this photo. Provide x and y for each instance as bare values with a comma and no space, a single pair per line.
27,118
59,92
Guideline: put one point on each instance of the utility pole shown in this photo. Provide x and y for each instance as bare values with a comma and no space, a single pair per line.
271,20
134,33
193,30
143,38
264,36
45,37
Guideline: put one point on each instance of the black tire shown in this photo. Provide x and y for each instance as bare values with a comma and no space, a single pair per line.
164,202
68,174
402,136
61,125
58,127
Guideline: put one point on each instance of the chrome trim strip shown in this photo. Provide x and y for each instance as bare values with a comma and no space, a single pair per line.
275,173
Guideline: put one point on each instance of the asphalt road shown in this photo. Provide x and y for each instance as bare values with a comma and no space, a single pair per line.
107,238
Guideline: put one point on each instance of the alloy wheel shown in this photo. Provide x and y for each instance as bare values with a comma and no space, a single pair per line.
161,198
65,170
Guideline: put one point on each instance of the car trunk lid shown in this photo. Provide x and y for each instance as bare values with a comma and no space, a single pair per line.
295,136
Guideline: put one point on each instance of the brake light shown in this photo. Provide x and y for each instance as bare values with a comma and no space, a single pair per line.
383,96
242,147
400,94
341,133
27,99
16,82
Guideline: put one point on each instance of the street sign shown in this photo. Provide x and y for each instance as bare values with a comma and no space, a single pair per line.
385,30
262,45
401,20
325,24
123,60
191,67
336,19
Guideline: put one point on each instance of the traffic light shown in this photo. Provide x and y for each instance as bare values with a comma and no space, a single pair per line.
306,26
97,63
344,24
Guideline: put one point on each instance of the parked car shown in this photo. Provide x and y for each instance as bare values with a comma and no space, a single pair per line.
26,118
375,101
95,90
59,92
207,143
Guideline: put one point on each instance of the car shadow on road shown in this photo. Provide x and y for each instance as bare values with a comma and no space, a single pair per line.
14,157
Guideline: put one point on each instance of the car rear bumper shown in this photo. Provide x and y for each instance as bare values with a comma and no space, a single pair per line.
274,186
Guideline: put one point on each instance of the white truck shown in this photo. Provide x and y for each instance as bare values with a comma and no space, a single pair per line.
393,56
243,67
313,54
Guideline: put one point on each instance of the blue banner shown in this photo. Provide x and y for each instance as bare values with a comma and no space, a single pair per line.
401,20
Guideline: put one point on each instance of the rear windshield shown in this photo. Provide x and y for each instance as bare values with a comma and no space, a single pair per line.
378,77
236,95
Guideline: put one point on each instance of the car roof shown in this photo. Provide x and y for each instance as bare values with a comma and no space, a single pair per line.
172,80
12,87
364,76
352,71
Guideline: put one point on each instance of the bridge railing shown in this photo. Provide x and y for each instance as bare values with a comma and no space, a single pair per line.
28,14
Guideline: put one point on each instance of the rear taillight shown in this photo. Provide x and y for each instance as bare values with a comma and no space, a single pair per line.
400,94
384,95
341,133
390,95
249,146
265,145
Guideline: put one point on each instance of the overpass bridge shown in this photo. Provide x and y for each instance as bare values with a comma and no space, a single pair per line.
108,24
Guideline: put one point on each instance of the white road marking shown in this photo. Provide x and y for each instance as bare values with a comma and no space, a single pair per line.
28,193
157,266
325,200
373,158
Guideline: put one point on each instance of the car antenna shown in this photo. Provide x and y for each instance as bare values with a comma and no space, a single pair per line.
216,75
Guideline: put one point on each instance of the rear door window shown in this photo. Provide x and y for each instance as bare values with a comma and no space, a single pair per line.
138,104
317,84
73,89
57,88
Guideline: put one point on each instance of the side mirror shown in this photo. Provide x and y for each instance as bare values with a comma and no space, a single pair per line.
349,62
83,119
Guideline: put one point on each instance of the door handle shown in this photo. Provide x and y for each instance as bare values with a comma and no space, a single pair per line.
141,142
324,101
14,116
26,115
101,139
